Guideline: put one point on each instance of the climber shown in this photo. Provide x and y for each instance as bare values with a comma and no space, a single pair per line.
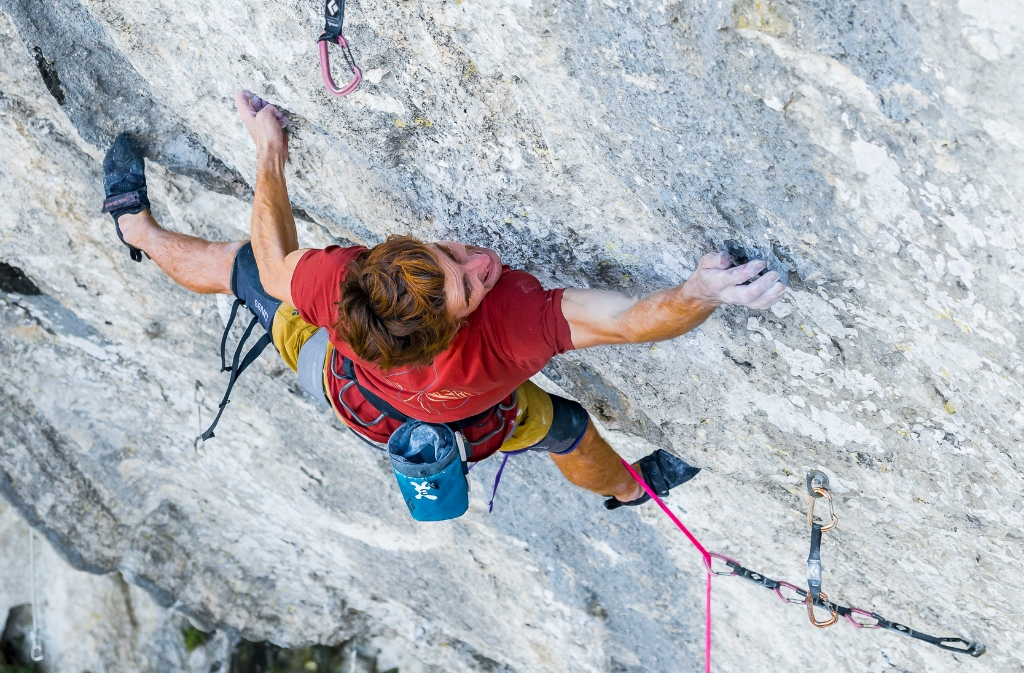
440,332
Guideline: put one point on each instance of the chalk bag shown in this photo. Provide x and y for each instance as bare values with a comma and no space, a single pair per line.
430,465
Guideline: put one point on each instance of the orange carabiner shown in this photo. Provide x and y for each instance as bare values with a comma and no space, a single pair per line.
833,618
822,493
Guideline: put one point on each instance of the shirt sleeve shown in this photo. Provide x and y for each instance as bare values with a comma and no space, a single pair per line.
316,283
530,327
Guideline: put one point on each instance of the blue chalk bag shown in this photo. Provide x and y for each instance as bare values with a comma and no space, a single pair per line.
430,465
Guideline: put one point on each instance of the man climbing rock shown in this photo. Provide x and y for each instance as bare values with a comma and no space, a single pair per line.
439,332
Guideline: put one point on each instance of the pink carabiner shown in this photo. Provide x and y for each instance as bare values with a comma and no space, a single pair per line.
795,589
325,68
853,621
722,557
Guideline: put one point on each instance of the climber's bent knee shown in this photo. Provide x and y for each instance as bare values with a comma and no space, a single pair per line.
546,422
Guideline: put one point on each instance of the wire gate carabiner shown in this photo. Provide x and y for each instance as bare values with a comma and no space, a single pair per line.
334,18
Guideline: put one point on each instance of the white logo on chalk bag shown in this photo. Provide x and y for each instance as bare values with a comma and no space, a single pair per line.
422,490
332,7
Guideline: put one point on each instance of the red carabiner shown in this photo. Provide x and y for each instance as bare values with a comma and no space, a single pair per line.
325,67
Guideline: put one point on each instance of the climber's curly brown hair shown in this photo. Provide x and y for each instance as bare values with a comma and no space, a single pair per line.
393,309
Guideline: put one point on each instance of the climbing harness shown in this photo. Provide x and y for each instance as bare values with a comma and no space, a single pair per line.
334,17
386,410
238,363
817,484
250,293
37,645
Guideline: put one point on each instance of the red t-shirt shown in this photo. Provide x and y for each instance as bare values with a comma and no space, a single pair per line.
514,333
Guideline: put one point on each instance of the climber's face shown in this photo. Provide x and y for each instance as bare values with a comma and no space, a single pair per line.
470,273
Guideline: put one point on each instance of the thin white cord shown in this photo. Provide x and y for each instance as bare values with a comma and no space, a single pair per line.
37,646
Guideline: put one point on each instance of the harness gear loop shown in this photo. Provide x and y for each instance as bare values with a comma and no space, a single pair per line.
334,18
825,604
386,410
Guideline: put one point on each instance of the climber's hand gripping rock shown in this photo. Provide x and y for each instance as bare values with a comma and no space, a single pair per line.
265,123
715,283
602,317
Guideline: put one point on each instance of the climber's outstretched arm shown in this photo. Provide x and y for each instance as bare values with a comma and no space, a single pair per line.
602,317
274,241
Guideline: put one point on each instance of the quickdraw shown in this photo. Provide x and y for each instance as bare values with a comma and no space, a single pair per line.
334,17
817,485
853,615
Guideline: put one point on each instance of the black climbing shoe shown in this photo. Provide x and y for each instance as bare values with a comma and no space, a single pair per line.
124,184
662,471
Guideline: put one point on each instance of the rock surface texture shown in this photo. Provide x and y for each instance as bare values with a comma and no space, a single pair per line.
874,148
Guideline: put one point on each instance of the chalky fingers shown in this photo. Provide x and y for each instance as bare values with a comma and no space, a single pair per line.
764,289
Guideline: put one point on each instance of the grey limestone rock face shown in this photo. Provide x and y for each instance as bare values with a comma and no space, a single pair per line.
89,622
873,149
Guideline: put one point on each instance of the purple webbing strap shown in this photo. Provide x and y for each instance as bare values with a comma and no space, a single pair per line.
497,480
703,552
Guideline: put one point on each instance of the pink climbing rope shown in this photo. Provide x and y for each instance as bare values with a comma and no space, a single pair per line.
703,552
